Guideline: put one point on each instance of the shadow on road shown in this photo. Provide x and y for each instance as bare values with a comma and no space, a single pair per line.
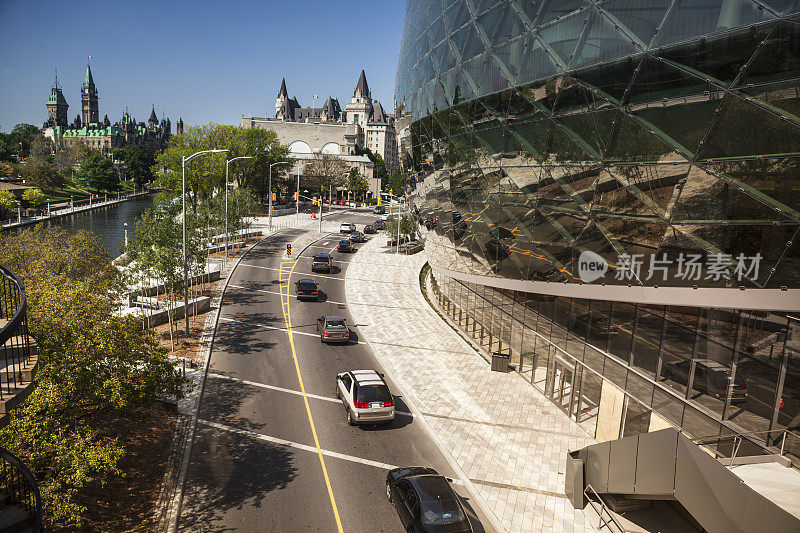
241,337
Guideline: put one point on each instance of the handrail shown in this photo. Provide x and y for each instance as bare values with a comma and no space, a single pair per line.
739,437
21,488
602,522
14,340
749,433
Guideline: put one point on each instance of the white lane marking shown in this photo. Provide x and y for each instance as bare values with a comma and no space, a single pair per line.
294,274
326,243
279,294
283,442
289,391
294,331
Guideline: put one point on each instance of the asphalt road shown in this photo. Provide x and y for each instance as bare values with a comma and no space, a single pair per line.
255,464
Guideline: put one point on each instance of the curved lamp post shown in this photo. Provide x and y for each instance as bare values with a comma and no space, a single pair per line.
228,162
184,159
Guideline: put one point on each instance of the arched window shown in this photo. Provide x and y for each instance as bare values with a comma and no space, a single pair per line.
332,148
300,147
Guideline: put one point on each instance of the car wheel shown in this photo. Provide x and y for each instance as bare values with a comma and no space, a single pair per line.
350,420
388,492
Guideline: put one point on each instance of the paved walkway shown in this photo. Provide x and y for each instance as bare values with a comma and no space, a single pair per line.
509,440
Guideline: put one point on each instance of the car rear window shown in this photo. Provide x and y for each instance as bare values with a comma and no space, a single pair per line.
306,285
336,324
373,393
342,243
321,257
442,512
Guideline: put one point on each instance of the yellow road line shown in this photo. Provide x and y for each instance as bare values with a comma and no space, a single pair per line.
288,319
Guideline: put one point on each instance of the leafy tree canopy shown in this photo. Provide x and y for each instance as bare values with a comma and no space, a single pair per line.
98,171
140,160
357,184
34,197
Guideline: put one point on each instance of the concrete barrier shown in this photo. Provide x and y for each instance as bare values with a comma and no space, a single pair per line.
160,317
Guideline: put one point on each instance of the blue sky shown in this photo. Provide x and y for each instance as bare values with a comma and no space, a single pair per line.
204,61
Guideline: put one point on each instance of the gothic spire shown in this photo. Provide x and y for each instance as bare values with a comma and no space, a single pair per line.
283,92
362,86
88,81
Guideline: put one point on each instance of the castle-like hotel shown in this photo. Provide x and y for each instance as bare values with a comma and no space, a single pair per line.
89,130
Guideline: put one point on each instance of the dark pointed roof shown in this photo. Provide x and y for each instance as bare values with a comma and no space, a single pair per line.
283,92
362,86
153,117
88,81
378,114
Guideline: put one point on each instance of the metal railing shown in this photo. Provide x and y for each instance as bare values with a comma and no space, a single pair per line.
782,442
606,518
21,489
15,343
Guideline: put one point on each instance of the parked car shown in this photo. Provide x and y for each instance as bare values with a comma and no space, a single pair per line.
425,501
599,326
379,224
353,204
347,227
379,209
341,202
365,396
710,377
357,236
345,246
333,329
321,263
430,222
307,289
369,229
385,217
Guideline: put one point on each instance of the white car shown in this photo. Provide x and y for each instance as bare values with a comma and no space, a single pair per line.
353,204
385,217
365,396
347,227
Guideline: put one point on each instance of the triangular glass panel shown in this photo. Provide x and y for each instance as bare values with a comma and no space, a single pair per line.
594,239
612,79
604,42
774,183
572,97
442,57
439,98
689,18
593,129
563,35
510,55
482,72
532,135
780,97
617,194
436,32
778,57
553,9
536,64
465,87
639,18
721,58
528,10
448,81
508,26
523,107
744,129
565,149
456,16
632,142
440,125
481,5
473,45
497,103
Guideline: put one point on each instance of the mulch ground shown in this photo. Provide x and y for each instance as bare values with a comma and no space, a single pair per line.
127,503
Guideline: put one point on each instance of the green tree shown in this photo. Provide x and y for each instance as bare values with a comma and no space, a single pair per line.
34,197
21,137
40,167
408,225
357,184
140,160
98,171
95,366
395,183
7,201
326,172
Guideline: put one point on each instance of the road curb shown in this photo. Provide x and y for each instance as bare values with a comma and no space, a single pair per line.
417,412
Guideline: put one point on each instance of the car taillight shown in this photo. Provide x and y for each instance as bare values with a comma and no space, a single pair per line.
390,403
315,292
324,333
361,405
742,387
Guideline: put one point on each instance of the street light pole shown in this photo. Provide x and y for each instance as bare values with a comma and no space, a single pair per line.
184,159
228,162
270,192
297,200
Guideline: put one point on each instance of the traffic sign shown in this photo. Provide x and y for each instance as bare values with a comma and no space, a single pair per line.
289,250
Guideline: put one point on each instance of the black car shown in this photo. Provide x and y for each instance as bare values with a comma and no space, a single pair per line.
345,246
321,263
357,236
379,210
379,224
425,501
431,222
369,229
307,289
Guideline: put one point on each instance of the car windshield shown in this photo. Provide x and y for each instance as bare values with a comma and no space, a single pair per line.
336,323
439,512
306,285
373,393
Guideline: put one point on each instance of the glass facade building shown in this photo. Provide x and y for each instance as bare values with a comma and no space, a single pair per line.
610,193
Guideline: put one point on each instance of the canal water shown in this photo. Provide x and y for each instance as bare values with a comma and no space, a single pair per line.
107,223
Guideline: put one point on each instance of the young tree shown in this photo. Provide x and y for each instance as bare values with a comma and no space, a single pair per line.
34,197
7,201
21,137
325,172
357,183
395,183
98,171
6,170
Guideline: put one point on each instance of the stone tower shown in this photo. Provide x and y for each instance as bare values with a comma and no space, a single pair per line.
152,122
283,96
90,110
57,107
359,110
179,126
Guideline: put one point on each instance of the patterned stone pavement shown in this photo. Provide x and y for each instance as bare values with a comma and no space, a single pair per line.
508,439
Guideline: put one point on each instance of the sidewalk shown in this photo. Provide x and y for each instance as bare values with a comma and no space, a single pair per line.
506,436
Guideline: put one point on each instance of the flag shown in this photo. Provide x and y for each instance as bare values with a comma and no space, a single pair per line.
90,57
315,96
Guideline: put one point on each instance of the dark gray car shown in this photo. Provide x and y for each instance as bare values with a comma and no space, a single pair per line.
333,329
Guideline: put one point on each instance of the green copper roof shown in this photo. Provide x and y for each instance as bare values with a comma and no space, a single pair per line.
88,81
57,98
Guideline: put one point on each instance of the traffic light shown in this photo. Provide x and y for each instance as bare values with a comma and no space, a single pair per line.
314,202
379,201
391,191
288,250
274,196
296,196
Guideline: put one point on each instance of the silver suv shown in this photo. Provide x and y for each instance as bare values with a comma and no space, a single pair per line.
365,396
347,227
